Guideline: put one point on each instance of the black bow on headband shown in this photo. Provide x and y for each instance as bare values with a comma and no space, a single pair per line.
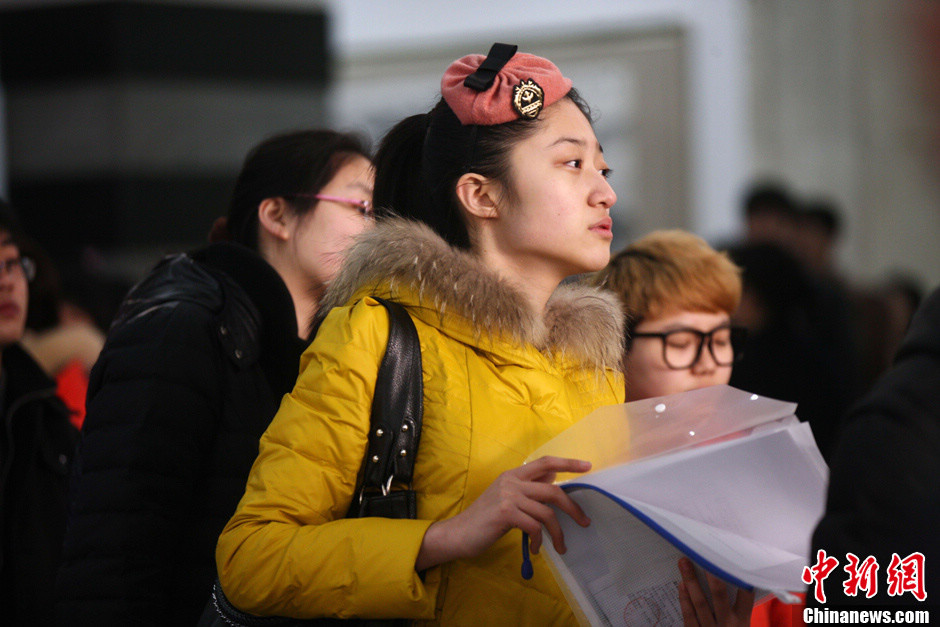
485,75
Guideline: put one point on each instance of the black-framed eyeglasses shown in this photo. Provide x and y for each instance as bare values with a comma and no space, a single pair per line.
682,348
23,265
364,206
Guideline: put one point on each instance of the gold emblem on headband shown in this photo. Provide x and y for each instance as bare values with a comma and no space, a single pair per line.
528,98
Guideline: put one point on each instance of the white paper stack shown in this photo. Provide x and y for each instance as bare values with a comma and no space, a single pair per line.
729,479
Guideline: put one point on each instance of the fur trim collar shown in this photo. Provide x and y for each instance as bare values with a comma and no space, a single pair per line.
580,322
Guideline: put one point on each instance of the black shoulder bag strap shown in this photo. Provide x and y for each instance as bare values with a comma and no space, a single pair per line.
397,410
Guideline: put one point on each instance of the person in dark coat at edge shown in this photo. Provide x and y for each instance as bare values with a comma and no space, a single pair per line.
884,488
36,444
192,372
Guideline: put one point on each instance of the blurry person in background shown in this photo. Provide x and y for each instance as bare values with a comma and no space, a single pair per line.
787,354
883,502
192,372
902,294
60,335
819,227
770,215
679,295
36,444
842,313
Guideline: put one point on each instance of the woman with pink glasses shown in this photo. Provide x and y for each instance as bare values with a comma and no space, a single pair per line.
192,372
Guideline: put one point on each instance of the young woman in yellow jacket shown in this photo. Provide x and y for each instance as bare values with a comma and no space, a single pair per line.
490,200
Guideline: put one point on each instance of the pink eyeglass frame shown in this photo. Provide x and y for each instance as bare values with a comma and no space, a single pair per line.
356,202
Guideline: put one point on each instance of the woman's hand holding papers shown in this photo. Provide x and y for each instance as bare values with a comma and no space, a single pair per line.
696,609
518,498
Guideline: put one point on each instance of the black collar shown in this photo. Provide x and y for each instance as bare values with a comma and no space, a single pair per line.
281,347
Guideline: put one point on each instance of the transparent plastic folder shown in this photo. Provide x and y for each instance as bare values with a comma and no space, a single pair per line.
730,479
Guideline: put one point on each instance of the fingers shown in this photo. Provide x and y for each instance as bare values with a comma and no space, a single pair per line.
545,468
685,604
544,515
522,498
536,511
695,607
554,495
701,613
535,516
719,598
531,481
743,606
725,614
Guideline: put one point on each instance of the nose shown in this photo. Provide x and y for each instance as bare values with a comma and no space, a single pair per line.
705,364
603,194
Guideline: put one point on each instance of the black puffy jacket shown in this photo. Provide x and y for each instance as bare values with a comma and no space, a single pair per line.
884,483
36,445
191,374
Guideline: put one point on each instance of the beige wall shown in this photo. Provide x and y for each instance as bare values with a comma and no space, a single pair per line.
826,93
635,82
838,108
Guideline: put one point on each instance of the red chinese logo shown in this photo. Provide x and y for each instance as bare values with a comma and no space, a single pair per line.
907,575
862,576
903,575
818,573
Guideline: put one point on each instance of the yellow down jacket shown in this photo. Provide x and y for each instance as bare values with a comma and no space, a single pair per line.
499,381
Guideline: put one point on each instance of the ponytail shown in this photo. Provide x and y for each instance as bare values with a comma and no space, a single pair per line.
402,187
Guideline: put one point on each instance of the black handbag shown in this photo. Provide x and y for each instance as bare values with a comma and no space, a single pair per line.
384,482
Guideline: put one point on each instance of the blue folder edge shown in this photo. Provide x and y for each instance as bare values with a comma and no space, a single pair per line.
652,524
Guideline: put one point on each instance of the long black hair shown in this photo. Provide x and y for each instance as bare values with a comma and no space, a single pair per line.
420,159
285,165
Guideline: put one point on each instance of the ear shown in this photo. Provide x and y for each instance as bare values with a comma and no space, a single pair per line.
478,194
272,216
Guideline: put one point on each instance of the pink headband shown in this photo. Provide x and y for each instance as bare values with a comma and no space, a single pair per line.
501,87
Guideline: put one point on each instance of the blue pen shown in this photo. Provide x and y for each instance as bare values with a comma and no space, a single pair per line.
527,570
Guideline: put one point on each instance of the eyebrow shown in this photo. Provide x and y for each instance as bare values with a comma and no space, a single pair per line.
685,327
568,140
574,140
362,186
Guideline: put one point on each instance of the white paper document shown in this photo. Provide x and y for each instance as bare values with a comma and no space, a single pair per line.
729,479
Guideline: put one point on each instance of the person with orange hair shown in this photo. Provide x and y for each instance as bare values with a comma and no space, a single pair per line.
679,294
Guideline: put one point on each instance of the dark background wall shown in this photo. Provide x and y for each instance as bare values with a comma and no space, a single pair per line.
127,121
